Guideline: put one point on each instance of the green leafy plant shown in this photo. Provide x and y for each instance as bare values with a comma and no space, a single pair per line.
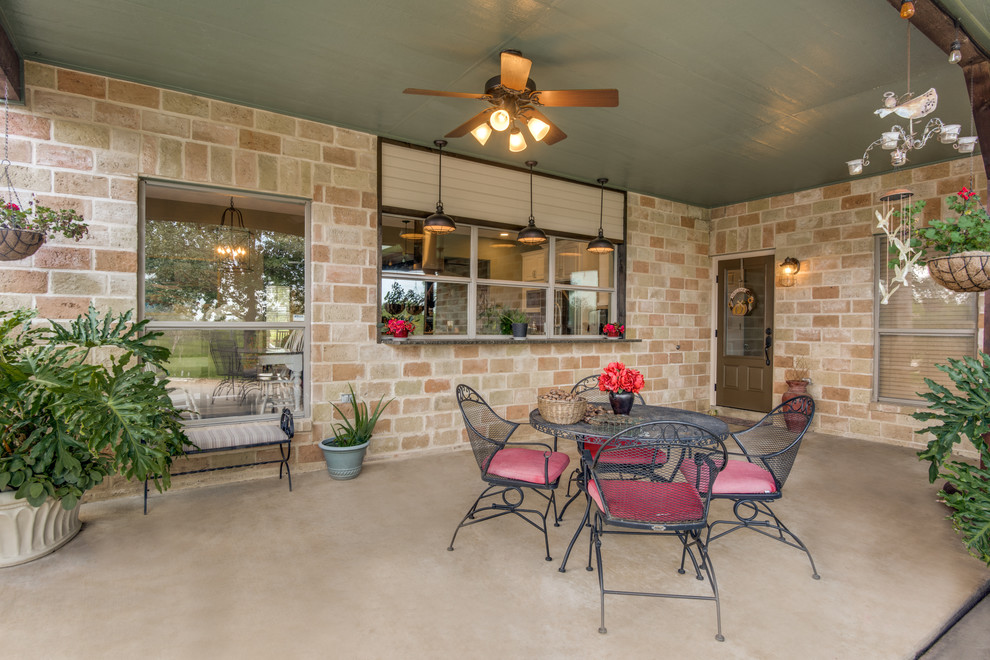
970,230
357,430
80,402
964,413
35,217
510,316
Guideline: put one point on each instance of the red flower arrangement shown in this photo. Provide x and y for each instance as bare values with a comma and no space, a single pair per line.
399,328
618,378
612,330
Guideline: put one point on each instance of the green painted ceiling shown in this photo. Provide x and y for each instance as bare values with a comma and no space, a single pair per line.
719,101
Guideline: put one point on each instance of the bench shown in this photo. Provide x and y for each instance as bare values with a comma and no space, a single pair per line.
228,437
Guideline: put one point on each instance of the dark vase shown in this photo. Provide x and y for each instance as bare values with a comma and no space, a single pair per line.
795,388
621,403
519,330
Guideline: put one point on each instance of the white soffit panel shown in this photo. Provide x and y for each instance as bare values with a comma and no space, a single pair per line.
496,194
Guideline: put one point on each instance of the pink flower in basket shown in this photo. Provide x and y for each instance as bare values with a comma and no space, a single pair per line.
612,330
399,328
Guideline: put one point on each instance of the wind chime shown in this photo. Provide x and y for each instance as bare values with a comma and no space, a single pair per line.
897,222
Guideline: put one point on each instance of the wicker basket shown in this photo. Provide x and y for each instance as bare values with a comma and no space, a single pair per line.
966,272
561,412
19,243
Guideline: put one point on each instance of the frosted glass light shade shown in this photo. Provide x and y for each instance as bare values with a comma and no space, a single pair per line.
538,128
516,140
500,120
482,133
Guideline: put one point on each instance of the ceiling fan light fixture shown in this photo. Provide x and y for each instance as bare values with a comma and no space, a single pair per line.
516,140
500,119
601,245
482,133
439,222
537,128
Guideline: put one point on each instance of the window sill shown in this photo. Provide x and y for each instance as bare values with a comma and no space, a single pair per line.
506,342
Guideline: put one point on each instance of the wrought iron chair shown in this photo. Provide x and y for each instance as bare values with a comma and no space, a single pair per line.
507,467
587,387
757,478
655,479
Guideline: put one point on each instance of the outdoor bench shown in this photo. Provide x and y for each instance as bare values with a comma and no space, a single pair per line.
210,439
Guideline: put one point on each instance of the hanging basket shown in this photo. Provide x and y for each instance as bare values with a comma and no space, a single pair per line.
966,272
19,243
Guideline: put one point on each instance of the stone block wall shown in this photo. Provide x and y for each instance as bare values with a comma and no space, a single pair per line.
824,326
83,141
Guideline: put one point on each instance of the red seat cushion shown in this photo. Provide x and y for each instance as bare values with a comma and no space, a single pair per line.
649,501
522,464
743,478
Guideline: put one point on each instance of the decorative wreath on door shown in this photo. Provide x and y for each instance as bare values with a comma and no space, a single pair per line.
742,301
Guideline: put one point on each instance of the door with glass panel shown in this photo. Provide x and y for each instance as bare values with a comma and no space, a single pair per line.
744,334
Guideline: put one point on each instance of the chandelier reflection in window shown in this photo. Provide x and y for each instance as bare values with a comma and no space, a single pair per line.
235,242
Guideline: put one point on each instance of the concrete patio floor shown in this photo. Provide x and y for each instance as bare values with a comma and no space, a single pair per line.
360,569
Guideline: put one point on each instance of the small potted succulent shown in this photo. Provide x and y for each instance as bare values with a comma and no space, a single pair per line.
344,452
613,331
23,229
516,322
398,329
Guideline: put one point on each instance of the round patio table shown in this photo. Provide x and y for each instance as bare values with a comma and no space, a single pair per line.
584,432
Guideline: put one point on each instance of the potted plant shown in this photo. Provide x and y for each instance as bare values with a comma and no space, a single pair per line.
622,384
78,402
398,329
516,322
963,413
613,331
958,248
344,453
23,229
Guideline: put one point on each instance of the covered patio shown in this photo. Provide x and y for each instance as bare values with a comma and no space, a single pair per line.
361,569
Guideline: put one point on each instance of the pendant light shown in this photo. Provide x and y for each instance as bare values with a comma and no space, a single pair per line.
531,234
439,222
601,245
235,241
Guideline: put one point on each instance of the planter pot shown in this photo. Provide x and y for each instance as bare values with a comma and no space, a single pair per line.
401,335
29,532
621,403
614,336
519,331
343,462
393,308
966,272
795,388
19,243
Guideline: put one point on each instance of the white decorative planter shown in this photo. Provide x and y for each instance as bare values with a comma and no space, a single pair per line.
28,532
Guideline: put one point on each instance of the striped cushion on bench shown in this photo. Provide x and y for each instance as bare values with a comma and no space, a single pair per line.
235,435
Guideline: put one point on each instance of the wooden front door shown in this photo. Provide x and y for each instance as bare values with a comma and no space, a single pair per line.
744,335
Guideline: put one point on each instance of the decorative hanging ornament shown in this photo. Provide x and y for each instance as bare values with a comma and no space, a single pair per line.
896,221
235,242
742,301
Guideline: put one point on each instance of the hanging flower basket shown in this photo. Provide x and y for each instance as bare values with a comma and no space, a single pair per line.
965,272
19,243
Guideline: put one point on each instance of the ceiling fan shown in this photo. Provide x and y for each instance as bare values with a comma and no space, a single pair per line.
514,96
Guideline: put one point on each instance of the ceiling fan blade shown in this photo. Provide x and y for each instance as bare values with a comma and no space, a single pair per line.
588,98
433,92
515,71
471,124
554,135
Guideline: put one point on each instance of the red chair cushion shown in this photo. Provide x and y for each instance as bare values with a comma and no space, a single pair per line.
649,501
743,478
522,464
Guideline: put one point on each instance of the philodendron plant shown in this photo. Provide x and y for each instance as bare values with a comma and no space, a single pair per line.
963,413
81,401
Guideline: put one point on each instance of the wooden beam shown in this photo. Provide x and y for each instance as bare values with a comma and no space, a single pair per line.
10,68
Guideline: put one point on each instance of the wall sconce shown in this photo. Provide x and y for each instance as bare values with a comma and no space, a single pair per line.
789,267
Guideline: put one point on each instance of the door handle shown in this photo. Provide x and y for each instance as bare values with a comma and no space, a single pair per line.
767,345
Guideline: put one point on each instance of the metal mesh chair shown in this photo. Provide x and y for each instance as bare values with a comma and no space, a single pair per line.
655,479
757,478
507,468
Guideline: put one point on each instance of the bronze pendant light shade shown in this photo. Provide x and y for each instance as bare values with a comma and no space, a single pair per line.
531,234
439,222
601,245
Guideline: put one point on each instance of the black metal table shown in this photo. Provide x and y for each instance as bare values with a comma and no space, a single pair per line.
582,432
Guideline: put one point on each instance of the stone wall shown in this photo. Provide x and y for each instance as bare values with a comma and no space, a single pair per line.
824,324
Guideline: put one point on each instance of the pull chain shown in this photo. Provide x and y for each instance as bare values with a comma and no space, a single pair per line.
11,197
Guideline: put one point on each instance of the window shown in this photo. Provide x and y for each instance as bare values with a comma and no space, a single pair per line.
462,283
919,327
230,302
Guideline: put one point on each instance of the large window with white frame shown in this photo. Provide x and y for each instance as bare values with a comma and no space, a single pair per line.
461,284
921,325
223,277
